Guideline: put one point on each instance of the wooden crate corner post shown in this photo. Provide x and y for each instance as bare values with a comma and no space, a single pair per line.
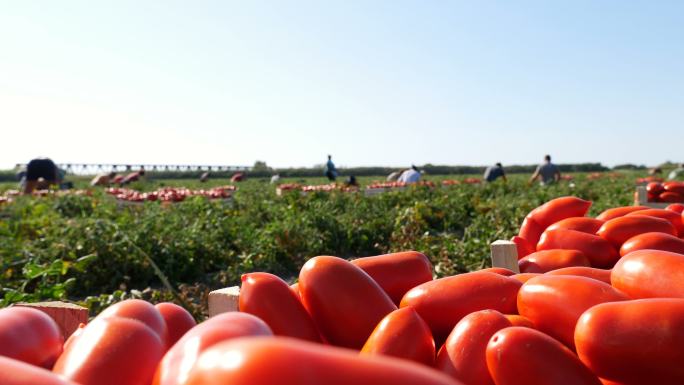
68,316
505,254
224,300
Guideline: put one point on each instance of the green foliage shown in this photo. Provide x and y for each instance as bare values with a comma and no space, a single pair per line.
97,251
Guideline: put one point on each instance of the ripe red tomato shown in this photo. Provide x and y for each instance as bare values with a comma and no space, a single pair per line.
518,320
675,187
617,212
600,252
676,207
345,303
634,342
397,273
402,333
443,302
581,271
554,303
497,270
618,230
653,241
524,356
178,321
463,354
140,310
583,224
29,335
524,277
112,351
558,209
524,247
671,197
295,289
15,372
654,188
650,274
673,217
530,231
271,299
547,260
175,367
289,361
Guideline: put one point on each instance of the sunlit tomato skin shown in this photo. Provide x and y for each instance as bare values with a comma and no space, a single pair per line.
675,187
178,321
653,241
345,303
15,372
29,335
673,217
634,342
601,253
175,367
497,270
581,271
554,303
463,354
397,273
524,356
583,224
619,230
558,209
654,188
518,320
523,246
671,197
676,207
617,212
443,302
531,231
524,277
74,336
271,299
112,351
650,274
140,310
295,289
289,361
403,334
547,260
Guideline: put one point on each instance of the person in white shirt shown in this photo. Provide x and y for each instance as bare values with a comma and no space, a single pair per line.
412,175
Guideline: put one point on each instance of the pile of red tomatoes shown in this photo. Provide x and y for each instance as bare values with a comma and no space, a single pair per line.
170,194
599,301
669,192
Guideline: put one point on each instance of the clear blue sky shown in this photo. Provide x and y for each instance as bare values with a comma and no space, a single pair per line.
371,82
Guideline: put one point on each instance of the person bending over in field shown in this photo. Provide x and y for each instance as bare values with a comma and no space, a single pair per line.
492,173
546,172
103,179
133,177
40,174
677,173
412,175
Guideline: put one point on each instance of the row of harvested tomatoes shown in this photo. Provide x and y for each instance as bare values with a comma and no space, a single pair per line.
170,194
573,316
669,192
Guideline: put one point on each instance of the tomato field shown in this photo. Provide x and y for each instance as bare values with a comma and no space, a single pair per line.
95,250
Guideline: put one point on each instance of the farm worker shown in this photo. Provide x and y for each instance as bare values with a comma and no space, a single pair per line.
103,179
394,175
275,178
237,177
40,173
351,182
330,170
677,173
547,172
133,177
412,175
204,177
494,172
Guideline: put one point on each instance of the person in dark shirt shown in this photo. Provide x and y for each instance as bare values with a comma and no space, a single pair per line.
40,173
492,173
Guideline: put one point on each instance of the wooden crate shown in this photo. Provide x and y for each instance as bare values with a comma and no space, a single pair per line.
641,199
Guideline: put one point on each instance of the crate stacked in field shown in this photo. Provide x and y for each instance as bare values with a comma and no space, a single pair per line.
306,189
376,188
170,194
659,194
598,301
